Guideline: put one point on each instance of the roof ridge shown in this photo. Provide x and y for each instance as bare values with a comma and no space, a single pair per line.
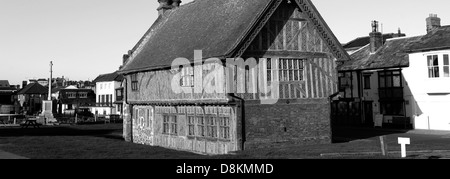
400,38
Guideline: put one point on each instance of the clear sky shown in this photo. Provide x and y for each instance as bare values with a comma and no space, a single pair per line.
86,38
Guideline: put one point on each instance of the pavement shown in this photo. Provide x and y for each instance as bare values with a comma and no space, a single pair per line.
7,155
424,143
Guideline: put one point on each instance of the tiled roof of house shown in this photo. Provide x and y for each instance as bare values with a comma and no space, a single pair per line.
33,88
209,25
218,28
109,77
392,54
437,39
363,41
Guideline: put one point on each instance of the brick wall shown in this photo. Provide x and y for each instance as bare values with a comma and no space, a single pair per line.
305,121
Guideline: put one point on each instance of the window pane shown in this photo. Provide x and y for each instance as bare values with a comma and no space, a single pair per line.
446,71
269,63
436,72
429,60
285,75
397,81
388,81
382,82
366,82
435,60
296,77
446,60
430,72
291,75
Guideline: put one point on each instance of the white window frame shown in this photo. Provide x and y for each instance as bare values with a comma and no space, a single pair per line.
442,57
446,65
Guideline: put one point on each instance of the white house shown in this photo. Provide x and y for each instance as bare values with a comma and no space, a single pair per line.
106,96
429,80
403,83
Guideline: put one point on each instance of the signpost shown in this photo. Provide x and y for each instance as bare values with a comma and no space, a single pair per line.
403,142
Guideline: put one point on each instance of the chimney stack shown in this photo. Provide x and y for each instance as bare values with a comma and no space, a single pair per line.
165,5
24,83
433,21
376,38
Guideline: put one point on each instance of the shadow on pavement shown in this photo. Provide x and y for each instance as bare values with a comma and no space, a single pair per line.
342,134
111,133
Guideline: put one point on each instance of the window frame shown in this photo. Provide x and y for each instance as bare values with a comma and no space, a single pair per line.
83,95
211,127
71,95
134,82
293,68
432,74
201,125
224,128
166,124
367,81
187,77
191,125
446,66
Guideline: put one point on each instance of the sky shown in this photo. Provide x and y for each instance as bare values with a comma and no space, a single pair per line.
86,38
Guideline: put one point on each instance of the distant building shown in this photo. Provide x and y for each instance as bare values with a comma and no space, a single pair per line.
4,83
108,94
360,42
30,98
6,98
70,99
403,83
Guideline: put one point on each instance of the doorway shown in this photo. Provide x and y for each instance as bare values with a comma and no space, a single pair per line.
368,113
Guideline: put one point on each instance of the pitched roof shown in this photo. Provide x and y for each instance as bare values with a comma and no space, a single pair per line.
218,28
109,77
392,54
4,83
363,41
437,39
33,88
8,89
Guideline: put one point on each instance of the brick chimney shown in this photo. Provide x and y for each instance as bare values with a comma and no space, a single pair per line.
433,21
165,5
376,38
176,3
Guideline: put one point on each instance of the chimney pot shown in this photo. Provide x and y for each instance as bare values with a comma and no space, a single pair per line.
176,3
165,5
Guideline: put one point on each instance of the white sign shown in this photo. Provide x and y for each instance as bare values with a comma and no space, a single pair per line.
403,142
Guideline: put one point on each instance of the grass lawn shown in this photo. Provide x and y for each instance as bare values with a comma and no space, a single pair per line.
104,141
